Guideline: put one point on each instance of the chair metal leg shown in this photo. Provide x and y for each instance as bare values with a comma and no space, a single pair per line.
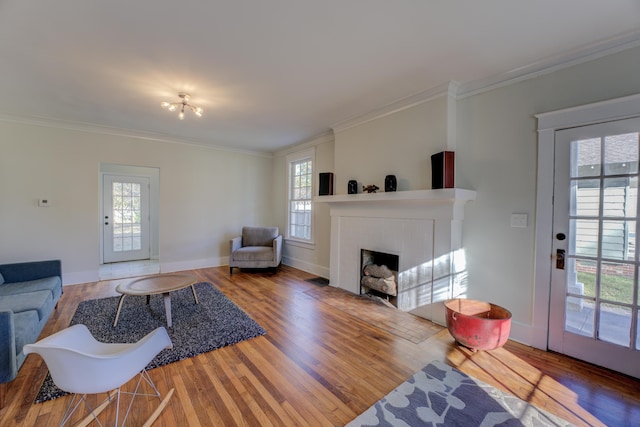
76,400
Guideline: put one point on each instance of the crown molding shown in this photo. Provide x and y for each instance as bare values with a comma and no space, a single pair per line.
396,106
457,90
121,132
323,138
568,59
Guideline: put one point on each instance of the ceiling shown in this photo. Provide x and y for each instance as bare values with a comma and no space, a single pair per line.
273,73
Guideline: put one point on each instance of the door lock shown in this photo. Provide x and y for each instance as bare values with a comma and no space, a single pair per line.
560,259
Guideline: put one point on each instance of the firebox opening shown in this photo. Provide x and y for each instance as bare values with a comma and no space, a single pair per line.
379,275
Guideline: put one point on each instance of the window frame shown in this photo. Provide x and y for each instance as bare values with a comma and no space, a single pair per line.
307,154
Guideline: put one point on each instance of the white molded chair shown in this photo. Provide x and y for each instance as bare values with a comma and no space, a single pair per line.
81,365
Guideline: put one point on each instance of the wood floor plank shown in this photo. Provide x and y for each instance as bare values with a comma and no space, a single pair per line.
327,356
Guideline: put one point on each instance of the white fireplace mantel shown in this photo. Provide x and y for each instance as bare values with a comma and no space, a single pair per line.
448,202
422,227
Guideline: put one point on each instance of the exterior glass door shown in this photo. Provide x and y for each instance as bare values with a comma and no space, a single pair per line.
594,289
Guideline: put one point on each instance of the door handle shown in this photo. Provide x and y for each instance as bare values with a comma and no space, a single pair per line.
560,259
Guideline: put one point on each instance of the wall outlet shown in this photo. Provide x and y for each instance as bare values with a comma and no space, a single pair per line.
519,220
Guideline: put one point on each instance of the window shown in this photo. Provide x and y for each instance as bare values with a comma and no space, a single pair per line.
299,225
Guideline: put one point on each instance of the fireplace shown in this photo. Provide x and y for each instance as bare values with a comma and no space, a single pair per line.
379,275
422,227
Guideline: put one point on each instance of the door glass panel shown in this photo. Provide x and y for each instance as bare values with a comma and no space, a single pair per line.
585,241
585,155
580,316
615,239
585,197
616,282
586,277
615,324
620,195
621,154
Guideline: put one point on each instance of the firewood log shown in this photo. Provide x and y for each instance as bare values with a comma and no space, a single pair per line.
377,271
387,286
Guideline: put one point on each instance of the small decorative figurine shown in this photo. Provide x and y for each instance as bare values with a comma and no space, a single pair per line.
372,188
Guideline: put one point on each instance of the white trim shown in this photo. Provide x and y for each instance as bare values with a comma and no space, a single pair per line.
309,143
129,133
170,267
306,266
304,244
309,153
548,124
603,111
78,277
458,91
396,106
549,65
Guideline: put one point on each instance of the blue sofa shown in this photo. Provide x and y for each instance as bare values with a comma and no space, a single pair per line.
29,292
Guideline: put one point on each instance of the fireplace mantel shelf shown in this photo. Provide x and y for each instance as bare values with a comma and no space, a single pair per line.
422,196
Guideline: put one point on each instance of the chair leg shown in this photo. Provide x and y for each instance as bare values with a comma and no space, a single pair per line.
230,271
93,415
159,409
76,400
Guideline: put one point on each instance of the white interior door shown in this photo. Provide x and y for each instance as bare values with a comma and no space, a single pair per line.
125,218
594,282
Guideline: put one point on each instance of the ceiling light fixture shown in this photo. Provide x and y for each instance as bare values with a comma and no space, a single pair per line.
173,106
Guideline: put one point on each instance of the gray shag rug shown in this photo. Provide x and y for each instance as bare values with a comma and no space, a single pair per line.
197,328
440,395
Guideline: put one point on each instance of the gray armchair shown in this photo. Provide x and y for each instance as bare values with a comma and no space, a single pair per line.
258,247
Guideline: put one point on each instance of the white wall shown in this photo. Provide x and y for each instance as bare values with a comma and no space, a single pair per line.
399,144
206,196
496,148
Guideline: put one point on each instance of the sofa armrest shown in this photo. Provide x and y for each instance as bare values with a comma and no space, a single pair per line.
277,248
234,245
26,271
8,362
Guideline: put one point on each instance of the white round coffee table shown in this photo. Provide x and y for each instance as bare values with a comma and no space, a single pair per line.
159,284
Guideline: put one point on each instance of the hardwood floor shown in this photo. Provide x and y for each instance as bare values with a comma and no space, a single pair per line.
327,356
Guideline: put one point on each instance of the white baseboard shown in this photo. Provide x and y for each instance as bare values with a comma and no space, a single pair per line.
318,270
521,333
170,267
78,277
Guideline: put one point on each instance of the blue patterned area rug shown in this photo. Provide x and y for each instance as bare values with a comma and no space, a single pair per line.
440,395
213,323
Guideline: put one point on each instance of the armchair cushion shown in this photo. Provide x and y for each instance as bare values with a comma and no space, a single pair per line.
259,236
254,253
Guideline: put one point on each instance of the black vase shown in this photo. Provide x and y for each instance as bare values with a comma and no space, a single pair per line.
352,187
390,183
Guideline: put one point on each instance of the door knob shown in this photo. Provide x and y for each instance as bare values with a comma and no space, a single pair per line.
561,236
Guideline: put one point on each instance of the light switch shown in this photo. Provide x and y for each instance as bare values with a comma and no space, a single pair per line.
519,220
43,203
